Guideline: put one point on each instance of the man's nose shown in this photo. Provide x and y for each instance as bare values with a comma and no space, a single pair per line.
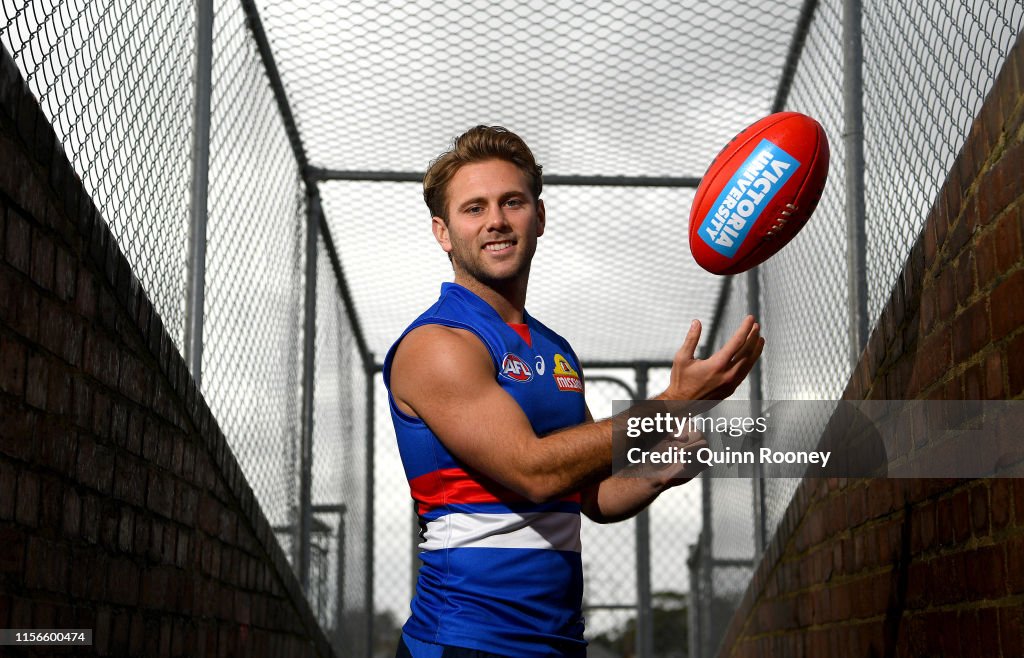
496,220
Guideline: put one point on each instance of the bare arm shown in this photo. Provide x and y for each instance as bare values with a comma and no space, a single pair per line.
445,377
618,497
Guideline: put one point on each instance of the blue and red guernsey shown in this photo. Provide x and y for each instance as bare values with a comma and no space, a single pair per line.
499,573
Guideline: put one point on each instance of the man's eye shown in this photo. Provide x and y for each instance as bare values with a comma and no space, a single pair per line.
474,209
514,203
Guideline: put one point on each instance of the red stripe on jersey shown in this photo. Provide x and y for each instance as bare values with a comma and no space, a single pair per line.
523,330
454,485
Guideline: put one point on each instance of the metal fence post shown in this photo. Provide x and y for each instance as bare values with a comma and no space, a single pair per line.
644,626
370,438
707,593
853,138
308,371
756,409
693,620
339,594
198,211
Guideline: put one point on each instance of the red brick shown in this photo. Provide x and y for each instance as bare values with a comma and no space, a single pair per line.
1014,549
966,280
137,635
13,366
985,259
1007,240
945,285
1007,309
929,309
37,381
72,515
954,198
932,361
971,331
960,233
58,390
209,515
51,499
65,275
993,387
959,506
1011,631
130,480
27,509
126,529
1015,367
119,633
101,415
879,497
18,242
986,572
924,525
928,234
42,268
60,333
974,383
13,541
1001,497
85,293
123,582
980,510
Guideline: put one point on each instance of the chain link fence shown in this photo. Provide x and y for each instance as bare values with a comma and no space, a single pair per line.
90,64
117,80
927,68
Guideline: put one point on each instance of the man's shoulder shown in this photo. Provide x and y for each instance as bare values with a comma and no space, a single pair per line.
549,333
438,350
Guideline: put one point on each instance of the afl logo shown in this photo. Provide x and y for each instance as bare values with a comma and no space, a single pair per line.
515,368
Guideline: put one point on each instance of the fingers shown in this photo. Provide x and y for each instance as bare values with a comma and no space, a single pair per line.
689,347
738,340
742,367
749,344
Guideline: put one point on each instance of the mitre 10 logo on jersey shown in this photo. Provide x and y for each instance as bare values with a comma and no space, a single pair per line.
515,368
566,376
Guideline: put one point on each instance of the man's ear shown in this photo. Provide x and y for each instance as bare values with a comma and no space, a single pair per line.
541,217
440,230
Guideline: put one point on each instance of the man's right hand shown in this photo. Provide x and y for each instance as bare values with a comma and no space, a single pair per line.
716,377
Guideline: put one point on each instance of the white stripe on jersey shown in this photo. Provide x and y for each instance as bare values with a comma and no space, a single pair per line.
558,531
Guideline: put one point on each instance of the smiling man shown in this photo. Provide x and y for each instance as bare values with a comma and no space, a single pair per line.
498,445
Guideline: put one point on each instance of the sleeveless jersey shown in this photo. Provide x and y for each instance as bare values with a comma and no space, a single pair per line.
499,573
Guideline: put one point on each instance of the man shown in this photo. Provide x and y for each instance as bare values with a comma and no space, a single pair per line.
498,445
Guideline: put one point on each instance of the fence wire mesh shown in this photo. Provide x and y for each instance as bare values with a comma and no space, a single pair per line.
927,68
396,532
806,317
112,77
609,589
366,96
622,289
339,462
252,358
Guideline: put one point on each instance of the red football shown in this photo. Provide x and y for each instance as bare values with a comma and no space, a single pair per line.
758,193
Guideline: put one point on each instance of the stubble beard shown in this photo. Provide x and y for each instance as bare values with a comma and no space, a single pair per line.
476,271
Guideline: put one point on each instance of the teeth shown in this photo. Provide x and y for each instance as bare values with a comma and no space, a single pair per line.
497,246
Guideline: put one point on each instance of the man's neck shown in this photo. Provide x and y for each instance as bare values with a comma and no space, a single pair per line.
508,300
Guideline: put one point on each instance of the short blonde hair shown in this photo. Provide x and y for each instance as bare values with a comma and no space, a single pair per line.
477,145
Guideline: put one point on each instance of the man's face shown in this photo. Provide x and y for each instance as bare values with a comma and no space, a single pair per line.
493,222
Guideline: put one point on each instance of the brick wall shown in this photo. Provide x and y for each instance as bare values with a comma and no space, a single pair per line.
891,567
122,508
